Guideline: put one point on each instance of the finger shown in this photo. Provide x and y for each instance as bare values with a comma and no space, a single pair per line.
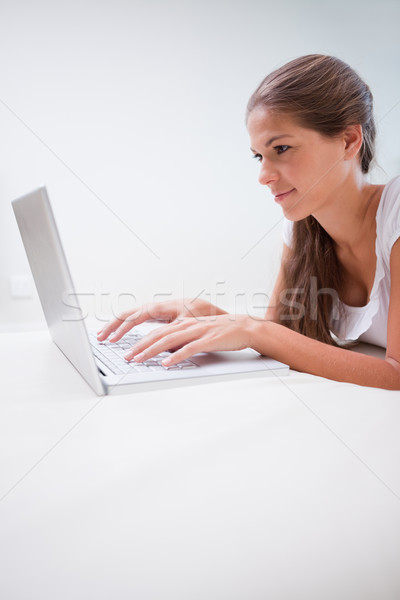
110,327
149,340
151,347
103,333
184,352
124,321
128,324
156,335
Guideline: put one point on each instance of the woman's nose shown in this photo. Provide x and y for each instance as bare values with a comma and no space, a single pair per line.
267,173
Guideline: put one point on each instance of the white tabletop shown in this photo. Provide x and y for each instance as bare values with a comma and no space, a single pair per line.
254,489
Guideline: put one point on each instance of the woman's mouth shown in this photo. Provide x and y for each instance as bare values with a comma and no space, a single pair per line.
280,197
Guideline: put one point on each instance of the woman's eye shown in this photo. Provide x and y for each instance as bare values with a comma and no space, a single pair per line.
281,149
258,157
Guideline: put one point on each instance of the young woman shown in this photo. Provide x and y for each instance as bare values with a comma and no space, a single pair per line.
312,129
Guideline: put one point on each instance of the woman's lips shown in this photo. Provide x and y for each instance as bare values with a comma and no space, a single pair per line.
280,197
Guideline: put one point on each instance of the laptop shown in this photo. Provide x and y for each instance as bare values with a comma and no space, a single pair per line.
102,364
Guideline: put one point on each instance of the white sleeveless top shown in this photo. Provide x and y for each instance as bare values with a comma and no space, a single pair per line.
369,323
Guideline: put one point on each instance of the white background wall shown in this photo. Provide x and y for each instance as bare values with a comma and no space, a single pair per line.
132,114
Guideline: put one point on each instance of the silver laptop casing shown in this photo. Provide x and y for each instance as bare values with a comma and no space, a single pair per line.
54,284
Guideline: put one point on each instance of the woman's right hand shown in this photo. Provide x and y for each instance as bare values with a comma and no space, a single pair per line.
168,311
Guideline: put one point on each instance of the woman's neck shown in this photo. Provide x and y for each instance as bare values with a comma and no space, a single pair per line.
350,217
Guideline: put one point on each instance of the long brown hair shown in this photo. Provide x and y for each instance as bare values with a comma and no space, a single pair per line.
324,94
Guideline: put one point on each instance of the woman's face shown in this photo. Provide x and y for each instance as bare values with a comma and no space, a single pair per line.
302,168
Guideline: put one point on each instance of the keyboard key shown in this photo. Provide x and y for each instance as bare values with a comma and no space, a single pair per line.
142,369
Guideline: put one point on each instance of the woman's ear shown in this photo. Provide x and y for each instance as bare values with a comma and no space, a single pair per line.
353,139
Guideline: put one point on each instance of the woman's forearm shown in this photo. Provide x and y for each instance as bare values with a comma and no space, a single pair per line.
310,356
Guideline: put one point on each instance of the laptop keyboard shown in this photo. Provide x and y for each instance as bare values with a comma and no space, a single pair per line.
111,354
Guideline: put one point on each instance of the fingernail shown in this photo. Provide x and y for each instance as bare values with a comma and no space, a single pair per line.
139,356
166,361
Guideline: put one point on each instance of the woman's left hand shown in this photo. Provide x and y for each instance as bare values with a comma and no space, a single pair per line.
193,335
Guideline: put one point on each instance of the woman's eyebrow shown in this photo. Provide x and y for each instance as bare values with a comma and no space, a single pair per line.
277,137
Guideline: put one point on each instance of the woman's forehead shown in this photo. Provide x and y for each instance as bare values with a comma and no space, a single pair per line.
267,121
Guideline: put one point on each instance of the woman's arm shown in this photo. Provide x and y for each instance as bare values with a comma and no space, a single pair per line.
236,332
310,356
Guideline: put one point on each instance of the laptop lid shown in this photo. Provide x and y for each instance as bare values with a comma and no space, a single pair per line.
54,283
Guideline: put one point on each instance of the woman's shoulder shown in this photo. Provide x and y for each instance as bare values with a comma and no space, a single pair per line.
391,189
388,215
